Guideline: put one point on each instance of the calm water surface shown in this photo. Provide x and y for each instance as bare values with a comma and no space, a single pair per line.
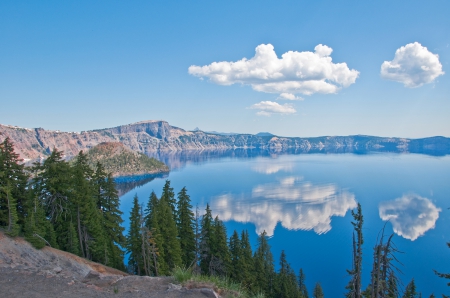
304,203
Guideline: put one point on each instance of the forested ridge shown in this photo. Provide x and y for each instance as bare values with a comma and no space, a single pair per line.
121,161
74,208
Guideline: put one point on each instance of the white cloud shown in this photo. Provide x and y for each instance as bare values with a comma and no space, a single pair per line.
267,108
296,72
271,167
413,65
411,215
289,96
295,204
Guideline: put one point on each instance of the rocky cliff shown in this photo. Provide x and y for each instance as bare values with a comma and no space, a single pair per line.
157,136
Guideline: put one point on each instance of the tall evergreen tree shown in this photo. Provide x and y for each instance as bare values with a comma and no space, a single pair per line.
168,231
237,268
108,203
52,188
13,182
206,240
263,266
220,253
88,217
248,278
134,248
318,292
168,195
185,224
411,291
152,223
285,282
302,285
354,285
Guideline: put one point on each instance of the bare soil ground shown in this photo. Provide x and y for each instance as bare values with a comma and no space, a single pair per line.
27,272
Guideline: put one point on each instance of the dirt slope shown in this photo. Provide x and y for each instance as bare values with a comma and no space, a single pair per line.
27,272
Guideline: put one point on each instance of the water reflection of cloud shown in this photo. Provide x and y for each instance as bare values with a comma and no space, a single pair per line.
269,167
297,205
411,215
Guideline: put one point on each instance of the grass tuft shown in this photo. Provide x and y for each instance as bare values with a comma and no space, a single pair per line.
222,285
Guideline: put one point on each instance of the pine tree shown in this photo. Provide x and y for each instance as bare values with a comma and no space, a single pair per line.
248,278
134,239
152,224
168,195
206,240
411,291
185,225
168,231
13,182
88,218
318,292
354,285
263,266
302,285
52,189
237,265
107,201
285,282
220,263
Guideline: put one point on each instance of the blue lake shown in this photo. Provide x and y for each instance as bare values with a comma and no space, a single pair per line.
304,203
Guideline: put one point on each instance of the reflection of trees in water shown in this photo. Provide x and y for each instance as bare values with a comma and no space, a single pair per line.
128,183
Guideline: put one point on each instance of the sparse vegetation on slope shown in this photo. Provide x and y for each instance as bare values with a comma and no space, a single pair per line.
121,161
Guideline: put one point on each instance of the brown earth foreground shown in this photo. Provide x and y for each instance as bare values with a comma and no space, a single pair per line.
27,272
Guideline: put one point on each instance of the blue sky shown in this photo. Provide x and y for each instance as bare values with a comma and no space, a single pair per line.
81,65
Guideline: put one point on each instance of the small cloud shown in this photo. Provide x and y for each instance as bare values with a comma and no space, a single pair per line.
296,72
411,215
269,168
267,108
289,96
413,65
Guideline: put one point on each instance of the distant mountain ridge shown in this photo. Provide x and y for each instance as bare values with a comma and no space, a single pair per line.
153,136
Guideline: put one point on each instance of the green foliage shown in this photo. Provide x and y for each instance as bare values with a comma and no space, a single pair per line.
263,266
13,181
301,284
134,239
118,160
411,291
318,292
206,241
185,224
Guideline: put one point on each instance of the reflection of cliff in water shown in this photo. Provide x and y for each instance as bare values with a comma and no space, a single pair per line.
179,159
127,183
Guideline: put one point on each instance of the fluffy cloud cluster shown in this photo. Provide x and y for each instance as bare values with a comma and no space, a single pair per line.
267,108
413,65
295,204
411,215
296,72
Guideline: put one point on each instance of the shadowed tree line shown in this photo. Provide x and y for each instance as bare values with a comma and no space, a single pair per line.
76,209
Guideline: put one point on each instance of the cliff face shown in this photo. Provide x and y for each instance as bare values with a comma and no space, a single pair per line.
159,136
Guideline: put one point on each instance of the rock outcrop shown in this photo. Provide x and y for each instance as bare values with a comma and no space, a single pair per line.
156,136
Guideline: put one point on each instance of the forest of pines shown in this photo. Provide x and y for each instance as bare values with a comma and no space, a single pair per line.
74,208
